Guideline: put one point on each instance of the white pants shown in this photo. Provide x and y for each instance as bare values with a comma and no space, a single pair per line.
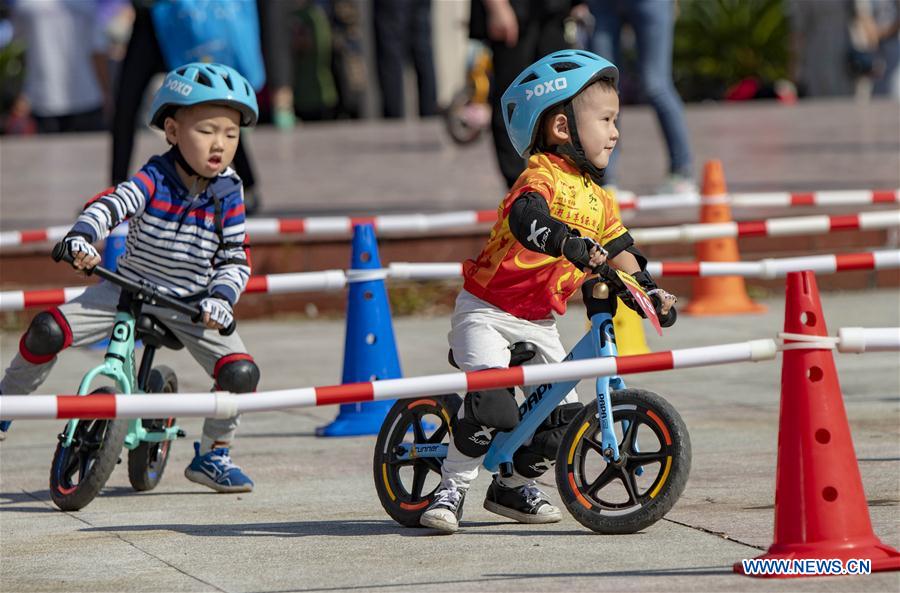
480,336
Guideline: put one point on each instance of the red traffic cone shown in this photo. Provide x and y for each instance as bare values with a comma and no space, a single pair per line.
820,506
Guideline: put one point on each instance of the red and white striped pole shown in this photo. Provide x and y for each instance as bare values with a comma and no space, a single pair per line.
273,228
224,405
328,280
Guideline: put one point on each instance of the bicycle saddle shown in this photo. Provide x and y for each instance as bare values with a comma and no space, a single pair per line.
520,353
154,333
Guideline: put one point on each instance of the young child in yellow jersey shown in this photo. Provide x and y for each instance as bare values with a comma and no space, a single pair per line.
554,227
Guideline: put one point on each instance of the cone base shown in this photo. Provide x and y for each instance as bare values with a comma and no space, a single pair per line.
883,557
357,420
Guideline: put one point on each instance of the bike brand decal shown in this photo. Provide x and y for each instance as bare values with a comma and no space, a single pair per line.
418,450
121,332
606,332
533,399
546,87
603,413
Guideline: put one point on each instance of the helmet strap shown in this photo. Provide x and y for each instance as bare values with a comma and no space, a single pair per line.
575,151
179,158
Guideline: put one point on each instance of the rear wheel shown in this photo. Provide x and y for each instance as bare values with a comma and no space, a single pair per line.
405,486
78,472
147,461
647,480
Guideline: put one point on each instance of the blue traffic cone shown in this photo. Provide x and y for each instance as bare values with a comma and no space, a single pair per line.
370,351
115,247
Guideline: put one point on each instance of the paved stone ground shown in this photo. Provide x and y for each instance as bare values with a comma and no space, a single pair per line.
374,167
314,522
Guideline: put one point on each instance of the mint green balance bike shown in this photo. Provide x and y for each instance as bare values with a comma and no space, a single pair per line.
89,450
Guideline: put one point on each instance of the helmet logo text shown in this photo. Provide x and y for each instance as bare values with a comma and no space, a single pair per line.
546,87
182,88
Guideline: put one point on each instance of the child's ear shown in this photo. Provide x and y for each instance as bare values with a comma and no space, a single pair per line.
171,128
559,127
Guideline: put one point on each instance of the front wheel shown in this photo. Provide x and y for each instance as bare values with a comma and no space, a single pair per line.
636,491
405,483
78,472
147,461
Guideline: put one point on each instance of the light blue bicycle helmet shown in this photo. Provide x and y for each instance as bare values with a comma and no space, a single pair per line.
552,80
197,83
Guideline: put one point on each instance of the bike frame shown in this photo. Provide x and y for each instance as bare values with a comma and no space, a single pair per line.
118,365
600,341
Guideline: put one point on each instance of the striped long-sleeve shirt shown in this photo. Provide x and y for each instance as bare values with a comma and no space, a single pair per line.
173,240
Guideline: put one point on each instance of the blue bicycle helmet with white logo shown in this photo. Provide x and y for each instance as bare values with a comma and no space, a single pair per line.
196,83
552,80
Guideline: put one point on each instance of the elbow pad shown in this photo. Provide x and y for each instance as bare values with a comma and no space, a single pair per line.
531,224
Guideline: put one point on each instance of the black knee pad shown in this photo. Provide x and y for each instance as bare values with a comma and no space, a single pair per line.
537,457
238,375
484,413
45,337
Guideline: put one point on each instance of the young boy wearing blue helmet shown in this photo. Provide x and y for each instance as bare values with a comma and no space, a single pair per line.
553,227
186,235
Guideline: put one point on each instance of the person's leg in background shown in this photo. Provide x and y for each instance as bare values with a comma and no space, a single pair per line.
244,169
605,43
392,25
274,20
508,63
142,60
423,57
654,27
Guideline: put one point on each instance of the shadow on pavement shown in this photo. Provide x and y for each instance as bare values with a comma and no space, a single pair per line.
336,528
489,578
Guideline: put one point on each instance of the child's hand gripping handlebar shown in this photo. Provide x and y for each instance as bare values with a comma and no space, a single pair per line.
142,290
640,293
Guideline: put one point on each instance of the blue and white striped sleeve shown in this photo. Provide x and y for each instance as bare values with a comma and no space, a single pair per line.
106,211
231,264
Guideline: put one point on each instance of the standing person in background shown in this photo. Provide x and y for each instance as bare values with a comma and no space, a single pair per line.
66,85
273,21
887,20
653,22
519,32
402,31
820,46
143,60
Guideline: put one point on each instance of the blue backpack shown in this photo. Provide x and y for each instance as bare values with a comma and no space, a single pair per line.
222,31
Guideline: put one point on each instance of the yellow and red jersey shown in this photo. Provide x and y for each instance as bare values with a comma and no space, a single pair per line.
526,283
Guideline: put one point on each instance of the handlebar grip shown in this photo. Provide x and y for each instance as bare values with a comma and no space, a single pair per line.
227,331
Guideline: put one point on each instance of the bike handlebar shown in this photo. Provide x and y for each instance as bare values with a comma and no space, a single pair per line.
143,290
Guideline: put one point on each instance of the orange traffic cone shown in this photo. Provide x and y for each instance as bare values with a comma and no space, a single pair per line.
719,295
820,506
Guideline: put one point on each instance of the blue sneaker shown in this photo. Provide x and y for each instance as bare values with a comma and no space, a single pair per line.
216,470
4,426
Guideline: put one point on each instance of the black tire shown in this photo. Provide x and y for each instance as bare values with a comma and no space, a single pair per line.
457,127
405,487
147,461
78,472
655,461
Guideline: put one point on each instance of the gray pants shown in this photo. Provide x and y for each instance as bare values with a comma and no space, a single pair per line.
90,317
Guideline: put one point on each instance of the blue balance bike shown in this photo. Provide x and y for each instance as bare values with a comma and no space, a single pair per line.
88,450
621,465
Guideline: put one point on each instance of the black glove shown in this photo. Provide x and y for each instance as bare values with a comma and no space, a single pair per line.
577,250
